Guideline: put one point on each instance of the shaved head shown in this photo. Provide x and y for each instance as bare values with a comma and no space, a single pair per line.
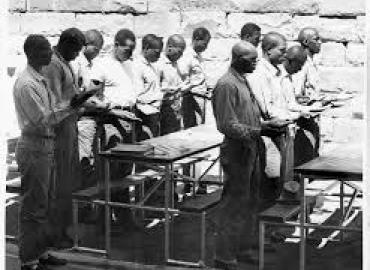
274,47
295,58
175,47
307,33
296,53
242,48
310,39
94,37
244,57
177,41
272,40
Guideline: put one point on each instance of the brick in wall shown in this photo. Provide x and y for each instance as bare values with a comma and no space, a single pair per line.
17,5
348,78
40,5
108,24
268,22
214,21
332,54
219,49
126,6
78,6
48,24
341,7
278,6
14,23
356,54
162,24
332,29
191,5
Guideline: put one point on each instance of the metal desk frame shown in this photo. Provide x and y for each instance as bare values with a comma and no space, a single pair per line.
162,163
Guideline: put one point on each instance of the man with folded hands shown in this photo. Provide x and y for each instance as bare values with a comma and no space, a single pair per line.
238,117
39,114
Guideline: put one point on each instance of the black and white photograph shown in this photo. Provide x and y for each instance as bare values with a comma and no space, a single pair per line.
184,134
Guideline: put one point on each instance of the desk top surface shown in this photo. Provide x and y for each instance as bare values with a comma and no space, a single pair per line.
174,146
342,162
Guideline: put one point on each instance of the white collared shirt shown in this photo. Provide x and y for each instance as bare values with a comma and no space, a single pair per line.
149,85
307,81
266,86
120,80
82,69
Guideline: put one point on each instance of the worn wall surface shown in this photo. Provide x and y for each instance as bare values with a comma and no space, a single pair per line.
341,24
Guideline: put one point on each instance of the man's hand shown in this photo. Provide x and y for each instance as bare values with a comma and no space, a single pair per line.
273,127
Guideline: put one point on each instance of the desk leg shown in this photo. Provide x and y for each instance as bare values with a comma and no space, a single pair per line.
302,231
341,202
166,213
107,207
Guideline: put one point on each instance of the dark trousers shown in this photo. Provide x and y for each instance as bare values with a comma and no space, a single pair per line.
307,141
170,119
68,175
192,110
35,159
150,126
238,207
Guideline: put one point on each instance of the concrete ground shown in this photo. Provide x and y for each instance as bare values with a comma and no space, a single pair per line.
134,248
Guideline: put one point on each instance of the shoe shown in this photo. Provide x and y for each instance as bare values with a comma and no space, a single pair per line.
38,267
52,260
248,258
225,265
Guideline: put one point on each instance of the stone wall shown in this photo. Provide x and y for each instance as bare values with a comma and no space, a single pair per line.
341,24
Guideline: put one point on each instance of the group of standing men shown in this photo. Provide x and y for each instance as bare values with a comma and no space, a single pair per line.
60,84
166,93
255,100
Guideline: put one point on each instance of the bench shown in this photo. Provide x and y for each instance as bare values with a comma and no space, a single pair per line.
199,205
92,194
279,213
14,185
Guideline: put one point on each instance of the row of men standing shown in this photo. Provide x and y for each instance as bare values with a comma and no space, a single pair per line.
48,104
256,99
50,138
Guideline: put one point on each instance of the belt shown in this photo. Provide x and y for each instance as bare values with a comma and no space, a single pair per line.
38,136
123,107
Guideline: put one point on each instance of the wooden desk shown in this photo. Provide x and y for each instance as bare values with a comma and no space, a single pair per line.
343,164
167,150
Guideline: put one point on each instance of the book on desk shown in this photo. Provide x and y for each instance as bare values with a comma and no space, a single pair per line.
134,149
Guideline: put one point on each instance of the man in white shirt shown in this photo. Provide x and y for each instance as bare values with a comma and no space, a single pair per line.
251,32
308,88
119,80
193,103
308,83
266,85
173,84
82,67
150,96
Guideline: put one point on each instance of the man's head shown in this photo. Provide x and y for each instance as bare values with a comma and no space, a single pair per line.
200,39
70,43
310,39
251,32
244,57
94,43
124,44
38,50
295,58
175,47
274,47
152,47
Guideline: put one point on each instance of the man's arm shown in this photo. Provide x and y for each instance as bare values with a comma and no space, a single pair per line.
38,112
224,102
